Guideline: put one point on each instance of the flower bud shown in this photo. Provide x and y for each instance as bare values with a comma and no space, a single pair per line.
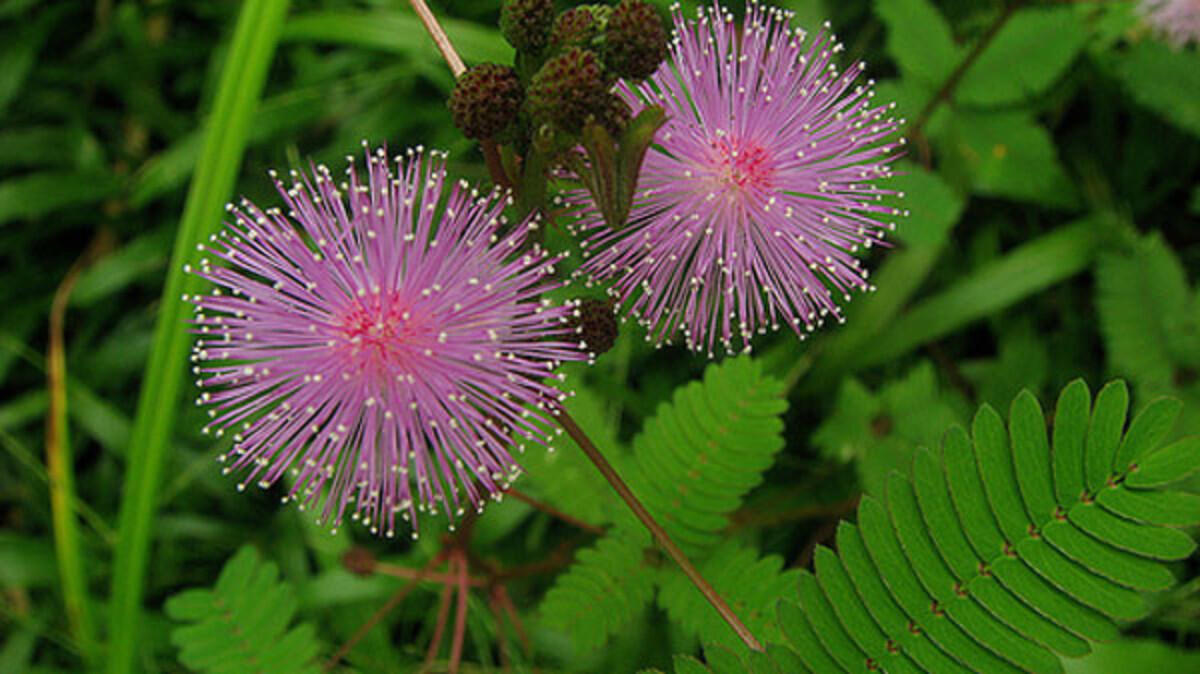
578,26
616,115
526,23
635,40
569,88
485,100
596,325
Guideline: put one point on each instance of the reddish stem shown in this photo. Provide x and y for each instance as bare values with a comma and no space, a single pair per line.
460,618
554,512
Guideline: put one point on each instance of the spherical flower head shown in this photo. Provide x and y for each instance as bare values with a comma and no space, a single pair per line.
568,89
758,191
578,26
485,100
635,40
1177,20
381,339
526,23
596,325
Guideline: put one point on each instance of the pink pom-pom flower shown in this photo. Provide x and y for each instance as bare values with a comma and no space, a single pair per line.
759,189
383,339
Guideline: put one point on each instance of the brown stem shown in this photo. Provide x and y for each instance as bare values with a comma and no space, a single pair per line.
491,156
380,614
554,512
439,37
460,617
660,534
397,571
442,615
507,603
952,82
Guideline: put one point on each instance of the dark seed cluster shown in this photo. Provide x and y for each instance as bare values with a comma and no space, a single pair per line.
485,100
569,88
596,325
635,40
526,23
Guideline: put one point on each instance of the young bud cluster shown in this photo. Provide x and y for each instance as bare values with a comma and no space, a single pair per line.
485,100
526,23
568,89
596,325
635,40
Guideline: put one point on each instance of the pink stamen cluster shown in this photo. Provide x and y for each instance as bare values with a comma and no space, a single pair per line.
1177,20
759,190
383,341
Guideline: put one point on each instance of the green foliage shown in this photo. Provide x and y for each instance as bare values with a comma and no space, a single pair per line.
1150,319
1046,40
1005,549
727,569
1008,154
693,463
242,623
606,588
880,431
920,41
1162,79
702,452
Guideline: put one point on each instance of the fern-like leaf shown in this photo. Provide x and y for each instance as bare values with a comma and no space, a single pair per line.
241,624
604,590
708,447
727,570
1007,548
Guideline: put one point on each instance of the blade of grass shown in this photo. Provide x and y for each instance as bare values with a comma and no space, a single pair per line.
238,92
1029,269
400,32
60,465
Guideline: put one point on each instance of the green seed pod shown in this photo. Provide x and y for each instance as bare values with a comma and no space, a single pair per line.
485,100
635,40
569,88
526,23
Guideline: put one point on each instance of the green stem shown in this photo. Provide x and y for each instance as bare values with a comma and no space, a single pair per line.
241,83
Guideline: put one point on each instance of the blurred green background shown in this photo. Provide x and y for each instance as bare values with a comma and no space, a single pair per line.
1054,232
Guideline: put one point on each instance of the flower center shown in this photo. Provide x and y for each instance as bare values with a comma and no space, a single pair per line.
742,165
380,334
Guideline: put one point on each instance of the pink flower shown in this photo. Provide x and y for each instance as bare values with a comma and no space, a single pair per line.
382,341
1177,20
758,190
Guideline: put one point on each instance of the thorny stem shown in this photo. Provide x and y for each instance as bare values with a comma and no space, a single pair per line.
554,512
660,534
915,130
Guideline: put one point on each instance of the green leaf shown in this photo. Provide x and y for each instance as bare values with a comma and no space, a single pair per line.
1024,271
702,452
1162,79
1167,465
975,553
1070,431
241,624
933,206
240,85
727,570
1030,53
1104,434
397,32
1136,655
1149,428
920,40
39,194
1164,508
604,590
1009,155
1147,318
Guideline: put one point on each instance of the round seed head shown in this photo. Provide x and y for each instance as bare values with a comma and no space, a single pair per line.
485,100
